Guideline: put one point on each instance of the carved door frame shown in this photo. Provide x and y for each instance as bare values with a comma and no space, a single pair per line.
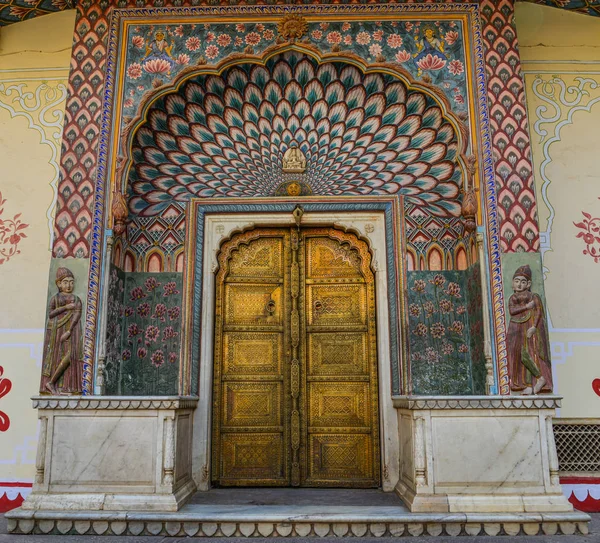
370,226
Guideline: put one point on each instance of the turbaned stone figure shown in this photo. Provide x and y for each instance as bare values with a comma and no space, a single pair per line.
62,366
527,339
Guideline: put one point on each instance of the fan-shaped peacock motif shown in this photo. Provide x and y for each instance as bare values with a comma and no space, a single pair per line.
360,133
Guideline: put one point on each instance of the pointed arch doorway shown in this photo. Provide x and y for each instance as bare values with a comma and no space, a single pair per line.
295,384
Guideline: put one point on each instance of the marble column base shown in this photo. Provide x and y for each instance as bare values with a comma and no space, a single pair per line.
113,454
482,454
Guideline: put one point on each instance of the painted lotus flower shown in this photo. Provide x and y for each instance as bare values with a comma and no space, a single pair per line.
451,37
170,288
431,62
152,333
375,49
192,43
317,34
414,310
348,39
420,330
134,71
224,40
151,284
137,293
346,27
143,310
179,31
212,51
334,37
403,56
138,41
438,330
268,34
157,66
253,38
363,38
395,41
453,290
455,67
378,35
183,59
172,358
419,285
158,358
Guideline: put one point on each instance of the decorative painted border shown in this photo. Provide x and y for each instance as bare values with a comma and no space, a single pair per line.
476,402
102,196
39,107
389,205
114,402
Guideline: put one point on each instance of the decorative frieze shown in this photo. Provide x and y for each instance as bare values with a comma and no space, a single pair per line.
477,402
114,402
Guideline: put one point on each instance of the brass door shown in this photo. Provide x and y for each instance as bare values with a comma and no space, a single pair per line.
295,376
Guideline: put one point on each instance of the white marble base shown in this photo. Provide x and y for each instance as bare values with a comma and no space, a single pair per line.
479,455
113,453
301,521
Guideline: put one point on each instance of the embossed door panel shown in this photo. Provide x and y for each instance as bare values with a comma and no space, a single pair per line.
342,425
295,378
250,430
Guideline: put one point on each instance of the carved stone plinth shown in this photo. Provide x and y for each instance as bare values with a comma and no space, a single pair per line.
479,454
113,453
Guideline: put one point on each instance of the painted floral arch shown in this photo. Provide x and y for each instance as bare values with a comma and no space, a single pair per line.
364,129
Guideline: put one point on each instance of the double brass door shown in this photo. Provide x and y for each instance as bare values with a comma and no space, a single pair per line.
295,376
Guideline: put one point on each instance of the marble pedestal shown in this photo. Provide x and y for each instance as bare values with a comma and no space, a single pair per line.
113,453
479,454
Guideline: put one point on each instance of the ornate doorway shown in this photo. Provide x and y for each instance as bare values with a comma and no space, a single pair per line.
295,396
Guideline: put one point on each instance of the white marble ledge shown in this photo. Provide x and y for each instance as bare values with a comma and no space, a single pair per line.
542,401
302,513
114,402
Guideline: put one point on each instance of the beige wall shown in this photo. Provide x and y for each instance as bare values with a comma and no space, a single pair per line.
560,52
34,62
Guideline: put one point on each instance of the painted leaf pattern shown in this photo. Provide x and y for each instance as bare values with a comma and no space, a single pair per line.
361,134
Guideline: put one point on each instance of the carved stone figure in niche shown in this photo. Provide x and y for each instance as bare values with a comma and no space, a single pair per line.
62,367
529,360
294,161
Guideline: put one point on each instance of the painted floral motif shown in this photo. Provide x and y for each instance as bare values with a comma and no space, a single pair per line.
143,340
11,234
422,48
5,386
439,334
590,234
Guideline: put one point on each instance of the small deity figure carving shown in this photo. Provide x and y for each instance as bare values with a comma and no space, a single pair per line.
528,356
62,367
294,161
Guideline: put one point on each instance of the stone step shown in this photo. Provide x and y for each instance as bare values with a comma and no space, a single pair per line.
195,520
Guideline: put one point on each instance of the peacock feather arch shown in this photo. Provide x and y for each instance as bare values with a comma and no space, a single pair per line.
222,131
